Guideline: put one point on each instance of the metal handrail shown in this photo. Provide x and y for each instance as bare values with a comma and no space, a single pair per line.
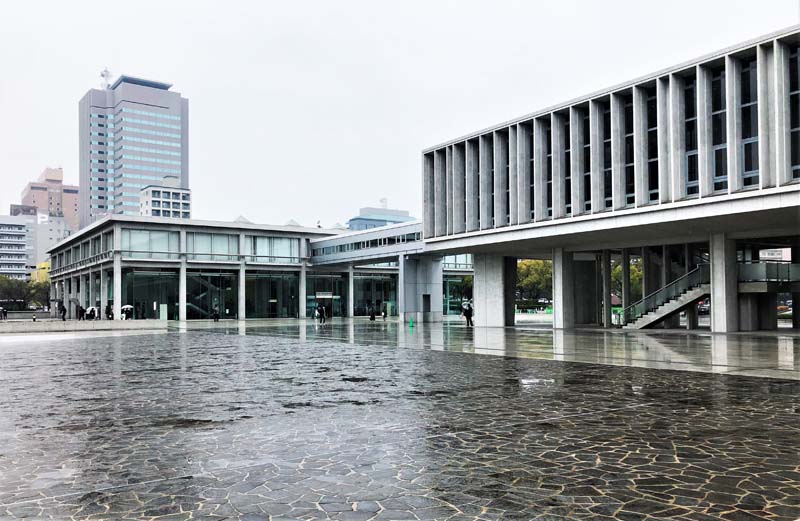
697,276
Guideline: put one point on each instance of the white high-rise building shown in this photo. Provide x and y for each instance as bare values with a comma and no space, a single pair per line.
133,133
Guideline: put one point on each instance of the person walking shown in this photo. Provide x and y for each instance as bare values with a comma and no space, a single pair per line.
467,312
215,313
321,313
384,312
371,313
63,311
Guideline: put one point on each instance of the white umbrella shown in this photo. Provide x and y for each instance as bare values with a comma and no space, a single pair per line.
126,306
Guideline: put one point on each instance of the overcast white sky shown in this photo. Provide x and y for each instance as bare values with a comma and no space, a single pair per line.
310,110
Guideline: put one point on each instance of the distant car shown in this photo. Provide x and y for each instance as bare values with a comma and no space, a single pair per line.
703,308
543,300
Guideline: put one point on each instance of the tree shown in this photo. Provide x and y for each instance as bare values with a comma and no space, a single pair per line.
535,278
13,293
39,293
636,280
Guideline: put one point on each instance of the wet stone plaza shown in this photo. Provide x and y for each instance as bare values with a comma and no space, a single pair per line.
360,420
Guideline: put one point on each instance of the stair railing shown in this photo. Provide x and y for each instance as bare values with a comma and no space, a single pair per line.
700,275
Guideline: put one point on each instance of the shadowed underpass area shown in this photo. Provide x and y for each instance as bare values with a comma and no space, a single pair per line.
360,420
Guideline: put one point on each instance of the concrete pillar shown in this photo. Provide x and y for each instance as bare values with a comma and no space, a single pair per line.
666,268
500,156
117,284
664,147
704,128
691,318
182,277
724,284
617,151
301,293
563,290
90,290
448,197
420,289
558,142
626,278
605,268
596,153
539,169
640,146
768,311
677,113
459,189
439,193
577,167
351,293
472,185
103,291
524,173
485,152
766,120
494,289
428,202
782,114
585,288
513,182
733,93
796,296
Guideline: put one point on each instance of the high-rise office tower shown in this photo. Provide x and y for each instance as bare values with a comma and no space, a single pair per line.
133,133
52,197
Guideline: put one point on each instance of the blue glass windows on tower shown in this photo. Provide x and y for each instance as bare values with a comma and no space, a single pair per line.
749,115
719,131
692,163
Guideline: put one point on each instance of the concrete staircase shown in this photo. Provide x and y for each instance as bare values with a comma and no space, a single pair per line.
689,297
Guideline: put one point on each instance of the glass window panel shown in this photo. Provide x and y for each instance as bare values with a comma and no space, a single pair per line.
692,173
718,129
749,121
795,140
794,71
751,157
794,102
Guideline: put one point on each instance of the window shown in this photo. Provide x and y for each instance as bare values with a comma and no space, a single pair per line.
212,246
567,169
156,213
548,165
150,244
749,115
272,249
607,194
719,131
156,193
692,163
652,146
587,164
794,111
627,160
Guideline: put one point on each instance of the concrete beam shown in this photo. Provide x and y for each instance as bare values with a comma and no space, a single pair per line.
782,114
766,117
448,178
428,202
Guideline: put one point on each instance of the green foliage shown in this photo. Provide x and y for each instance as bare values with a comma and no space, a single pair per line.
17,295
535,278
636,280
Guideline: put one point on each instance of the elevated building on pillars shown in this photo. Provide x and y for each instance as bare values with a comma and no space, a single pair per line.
694,169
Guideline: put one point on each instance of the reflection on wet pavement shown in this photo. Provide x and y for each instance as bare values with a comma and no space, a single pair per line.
370,421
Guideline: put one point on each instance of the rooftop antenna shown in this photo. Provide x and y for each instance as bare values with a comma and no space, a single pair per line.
384,202
106,75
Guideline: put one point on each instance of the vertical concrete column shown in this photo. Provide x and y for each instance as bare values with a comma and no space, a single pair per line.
513,170
90,290
494,288
677,113
539,170
439,193
605,267
301,292
500,181
666,269
81,289
558,142
472,185
626,278
596,153
733,92
617,151
402,304
563,290
724,284
640,146
103,291
524,173
117,306
782,114
692,321
459,189
664,147
577,167
486,180
182,277
766,120
241,312
428,200
351,291
448,178
704,128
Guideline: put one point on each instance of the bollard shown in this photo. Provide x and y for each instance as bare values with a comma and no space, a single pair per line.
34,318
